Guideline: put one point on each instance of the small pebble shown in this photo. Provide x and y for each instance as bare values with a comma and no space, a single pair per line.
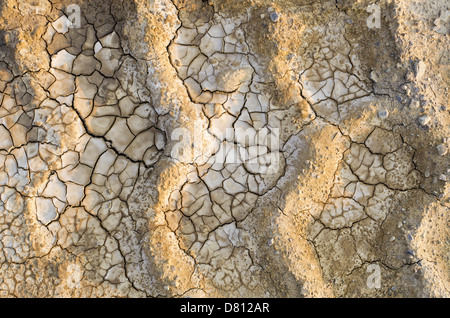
414,104
274,16
442,150
374,77
383,113
392,239
443,177
424,120
420,70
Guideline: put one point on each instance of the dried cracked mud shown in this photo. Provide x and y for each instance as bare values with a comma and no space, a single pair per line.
224,148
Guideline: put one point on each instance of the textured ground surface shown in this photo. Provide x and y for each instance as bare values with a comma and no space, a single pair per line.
224,148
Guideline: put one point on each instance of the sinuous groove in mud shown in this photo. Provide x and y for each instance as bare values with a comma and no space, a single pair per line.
223,148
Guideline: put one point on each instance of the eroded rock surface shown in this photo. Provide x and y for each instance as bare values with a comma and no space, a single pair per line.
224,148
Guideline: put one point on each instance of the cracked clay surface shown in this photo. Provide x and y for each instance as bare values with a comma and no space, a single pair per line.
224,148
